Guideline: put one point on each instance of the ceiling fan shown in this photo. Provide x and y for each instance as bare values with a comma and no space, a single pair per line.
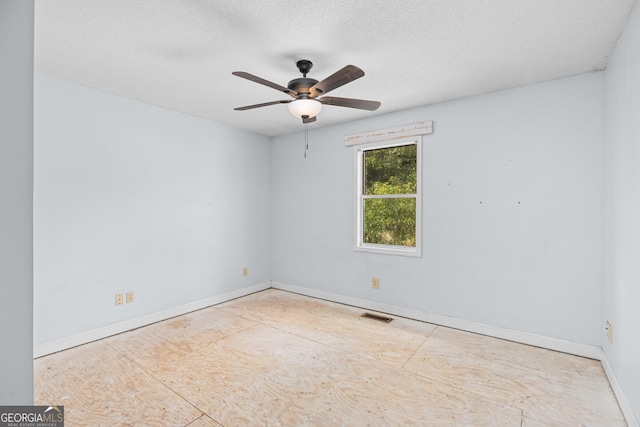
307,93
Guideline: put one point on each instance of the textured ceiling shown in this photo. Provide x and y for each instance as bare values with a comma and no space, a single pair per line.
180,54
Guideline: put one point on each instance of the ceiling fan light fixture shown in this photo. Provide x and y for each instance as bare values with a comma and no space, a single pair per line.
305,107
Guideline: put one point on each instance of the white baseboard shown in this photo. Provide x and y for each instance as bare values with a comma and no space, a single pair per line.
625,407
578,349
118,328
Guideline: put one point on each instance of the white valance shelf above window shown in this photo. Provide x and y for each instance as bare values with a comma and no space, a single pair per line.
414,129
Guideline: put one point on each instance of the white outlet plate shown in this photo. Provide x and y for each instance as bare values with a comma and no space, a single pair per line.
609,330
119,300
375,283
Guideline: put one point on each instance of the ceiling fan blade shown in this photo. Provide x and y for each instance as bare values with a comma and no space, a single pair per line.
264,104
306,120
264,82
360,104
337,79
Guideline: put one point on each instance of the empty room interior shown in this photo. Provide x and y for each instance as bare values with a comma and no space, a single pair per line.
451,238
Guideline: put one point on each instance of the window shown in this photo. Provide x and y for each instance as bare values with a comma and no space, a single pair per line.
388,165
388,197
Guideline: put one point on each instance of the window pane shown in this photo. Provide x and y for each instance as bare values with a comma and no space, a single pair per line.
390,170
390,221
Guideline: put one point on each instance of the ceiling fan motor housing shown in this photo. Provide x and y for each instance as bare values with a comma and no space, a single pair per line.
301,86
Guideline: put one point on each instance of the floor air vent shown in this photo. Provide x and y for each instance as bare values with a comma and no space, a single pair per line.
377,317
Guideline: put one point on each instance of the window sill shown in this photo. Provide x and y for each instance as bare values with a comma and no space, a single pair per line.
389,250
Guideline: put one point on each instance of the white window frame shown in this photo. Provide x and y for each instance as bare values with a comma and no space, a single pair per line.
359,244
391,137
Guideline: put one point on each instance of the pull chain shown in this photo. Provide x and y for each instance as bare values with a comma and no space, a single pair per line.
306,140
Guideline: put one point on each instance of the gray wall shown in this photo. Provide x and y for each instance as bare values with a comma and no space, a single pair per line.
130,196
16,196
512,211
621,296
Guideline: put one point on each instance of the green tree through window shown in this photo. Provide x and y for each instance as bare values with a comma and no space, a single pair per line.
389,195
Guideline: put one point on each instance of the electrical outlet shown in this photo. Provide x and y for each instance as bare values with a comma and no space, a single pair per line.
375,283
118,299
130,297
609,330
245,271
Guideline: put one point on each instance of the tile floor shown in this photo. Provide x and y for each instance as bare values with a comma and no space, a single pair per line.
279,359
